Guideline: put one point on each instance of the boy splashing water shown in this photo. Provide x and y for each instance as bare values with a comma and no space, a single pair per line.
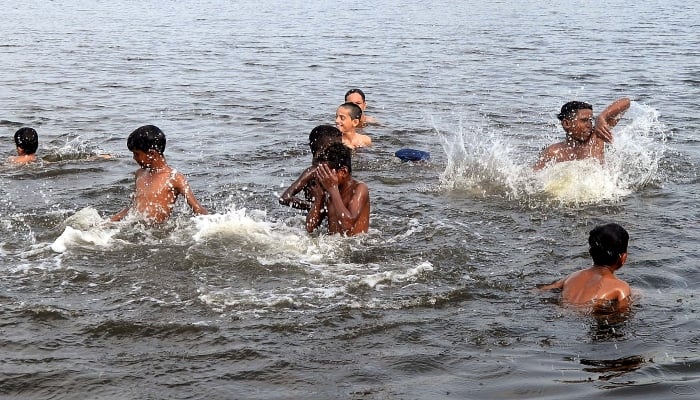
345,200
157,184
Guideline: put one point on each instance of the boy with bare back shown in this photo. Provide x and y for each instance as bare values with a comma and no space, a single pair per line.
598,286
319,139
347,120
27,142
583,138
157,184
345,200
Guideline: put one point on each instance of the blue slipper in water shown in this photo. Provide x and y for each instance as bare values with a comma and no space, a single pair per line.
412,155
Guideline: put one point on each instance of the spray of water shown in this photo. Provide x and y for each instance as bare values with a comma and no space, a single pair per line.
484,163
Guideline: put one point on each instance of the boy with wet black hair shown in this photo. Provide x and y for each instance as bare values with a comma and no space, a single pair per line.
583,138
357,96
347,120
157,184
27,142
319,138
346,202
598,284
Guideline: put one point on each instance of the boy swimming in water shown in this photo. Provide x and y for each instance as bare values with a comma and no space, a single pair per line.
347,119
583,139
345,200
27,142
157,184
319,139
357,96
598,285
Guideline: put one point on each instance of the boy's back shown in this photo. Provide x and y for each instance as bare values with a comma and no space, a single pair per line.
598,285
594,284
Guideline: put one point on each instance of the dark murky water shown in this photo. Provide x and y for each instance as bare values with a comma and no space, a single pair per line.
436,301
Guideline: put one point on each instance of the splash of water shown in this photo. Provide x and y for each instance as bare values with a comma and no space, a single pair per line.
72,149
484,163
84,228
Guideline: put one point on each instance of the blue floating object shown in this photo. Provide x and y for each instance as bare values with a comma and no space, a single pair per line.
412,155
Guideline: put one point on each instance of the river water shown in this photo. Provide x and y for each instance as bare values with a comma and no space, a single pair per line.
437,300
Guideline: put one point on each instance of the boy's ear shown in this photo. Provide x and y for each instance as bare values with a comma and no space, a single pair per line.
566,124
623,258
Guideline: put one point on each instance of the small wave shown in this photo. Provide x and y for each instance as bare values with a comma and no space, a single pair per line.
113,328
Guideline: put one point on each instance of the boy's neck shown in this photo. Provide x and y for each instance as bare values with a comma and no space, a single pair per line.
607,268
350,134
158,164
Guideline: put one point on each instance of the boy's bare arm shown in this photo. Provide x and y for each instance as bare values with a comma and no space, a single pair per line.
556,285
289,198
317,211
182,186
609,117
120,215
348,215
542,160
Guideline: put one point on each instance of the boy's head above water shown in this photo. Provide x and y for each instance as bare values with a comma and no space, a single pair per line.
569,110
607,244
146,138
337,156
347,117
322,136
26,140
356,96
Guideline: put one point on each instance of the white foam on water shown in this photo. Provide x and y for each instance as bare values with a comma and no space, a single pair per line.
332,286
274,242
325,272
85,228
397,276
484,163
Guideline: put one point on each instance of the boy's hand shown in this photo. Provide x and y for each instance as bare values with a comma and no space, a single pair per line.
326,176
603,130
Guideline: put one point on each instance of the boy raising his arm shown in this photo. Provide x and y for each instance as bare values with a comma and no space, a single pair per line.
583,138
157,184
346,200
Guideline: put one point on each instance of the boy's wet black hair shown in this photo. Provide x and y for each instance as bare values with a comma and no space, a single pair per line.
358,91
146,138
322,135
568,110
27,139
355,110
607,243
337,156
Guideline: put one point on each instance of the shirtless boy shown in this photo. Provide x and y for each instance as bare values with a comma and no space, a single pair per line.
319,139
598,285
357,96
27,142
583,139
347,120
346,200
157,184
